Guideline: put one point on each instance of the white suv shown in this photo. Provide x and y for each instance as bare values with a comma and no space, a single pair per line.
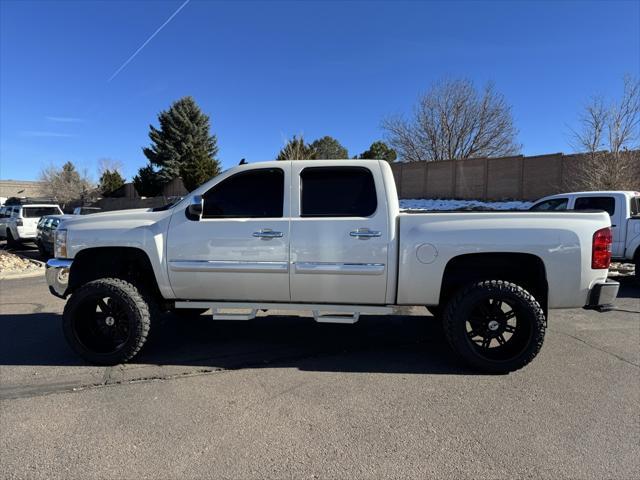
20,221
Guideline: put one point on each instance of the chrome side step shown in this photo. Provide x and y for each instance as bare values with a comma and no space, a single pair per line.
218,315
346,314
336,317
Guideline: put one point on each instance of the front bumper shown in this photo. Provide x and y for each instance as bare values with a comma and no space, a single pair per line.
57,275
602,295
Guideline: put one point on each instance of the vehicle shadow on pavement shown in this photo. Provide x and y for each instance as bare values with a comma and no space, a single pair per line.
629,287
391,344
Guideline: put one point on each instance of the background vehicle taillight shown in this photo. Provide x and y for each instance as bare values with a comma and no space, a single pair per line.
601,249
19,222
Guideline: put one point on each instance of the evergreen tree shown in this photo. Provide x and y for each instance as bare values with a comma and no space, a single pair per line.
379,151
146,182
296,149
197,170
327,148
110,180
183,137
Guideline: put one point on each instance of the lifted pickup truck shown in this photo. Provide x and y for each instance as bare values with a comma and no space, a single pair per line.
622,206
327,237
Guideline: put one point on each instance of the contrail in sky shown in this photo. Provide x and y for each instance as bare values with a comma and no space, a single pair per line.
147,41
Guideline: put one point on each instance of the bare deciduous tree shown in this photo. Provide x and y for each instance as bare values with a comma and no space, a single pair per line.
610,133
453,120
66,183
109,165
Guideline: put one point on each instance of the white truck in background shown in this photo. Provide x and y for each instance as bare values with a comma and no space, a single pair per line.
623,208
326,236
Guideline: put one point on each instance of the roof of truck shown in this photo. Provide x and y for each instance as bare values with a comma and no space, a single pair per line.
626,193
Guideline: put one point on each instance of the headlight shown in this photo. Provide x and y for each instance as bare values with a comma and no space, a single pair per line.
60,244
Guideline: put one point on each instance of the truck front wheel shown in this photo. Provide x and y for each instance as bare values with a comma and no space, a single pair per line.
495,326
106,321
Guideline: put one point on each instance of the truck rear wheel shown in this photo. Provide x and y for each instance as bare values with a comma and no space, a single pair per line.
106,321
495,326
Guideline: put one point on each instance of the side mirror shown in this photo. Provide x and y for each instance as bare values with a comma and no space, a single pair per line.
195,207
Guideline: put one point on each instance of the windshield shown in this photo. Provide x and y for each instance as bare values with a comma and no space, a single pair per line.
34,212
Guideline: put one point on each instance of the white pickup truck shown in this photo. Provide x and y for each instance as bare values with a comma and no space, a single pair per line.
622,206
327,237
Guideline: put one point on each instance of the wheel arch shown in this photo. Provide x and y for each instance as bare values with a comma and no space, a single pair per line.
127,263
524,269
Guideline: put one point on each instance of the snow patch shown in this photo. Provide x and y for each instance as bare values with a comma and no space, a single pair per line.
440,204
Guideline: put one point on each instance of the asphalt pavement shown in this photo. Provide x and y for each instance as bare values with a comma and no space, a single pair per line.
284,397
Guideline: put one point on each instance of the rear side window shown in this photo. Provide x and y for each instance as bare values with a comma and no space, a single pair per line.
251,194
34,212
608,204
555,204
338,192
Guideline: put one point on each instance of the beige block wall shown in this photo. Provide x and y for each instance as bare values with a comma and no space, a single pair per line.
504,178
439,179
470,178
413,180
542,176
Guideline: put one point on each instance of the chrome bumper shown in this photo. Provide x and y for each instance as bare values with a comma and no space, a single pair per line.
602,295
57,275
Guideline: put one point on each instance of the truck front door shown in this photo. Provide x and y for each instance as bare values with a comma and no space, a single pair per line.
339,234
239,248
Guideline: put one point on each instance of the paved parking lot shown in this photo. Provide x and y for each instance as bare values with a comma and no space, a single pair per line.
282,396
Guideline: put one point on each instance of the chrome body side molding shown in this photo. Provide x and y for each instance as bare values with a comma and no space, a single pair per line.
227,266
340,268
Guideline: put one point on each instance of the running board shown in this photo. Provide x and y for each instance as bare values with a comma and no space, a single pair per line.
346,314
217,315
336,317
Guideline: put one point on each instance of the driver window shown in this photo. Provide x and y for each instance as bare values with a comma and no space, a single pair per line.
252,194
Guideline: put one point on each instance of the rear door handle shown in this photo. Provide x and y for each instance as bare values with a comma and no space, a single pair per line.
267,233
365,233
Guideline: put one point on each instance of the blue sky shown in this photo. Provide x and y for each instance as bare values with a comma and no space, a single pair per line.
264,71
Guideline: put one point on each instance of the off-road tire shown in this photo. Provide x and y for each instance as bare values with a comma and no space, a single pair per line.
530,313
135,308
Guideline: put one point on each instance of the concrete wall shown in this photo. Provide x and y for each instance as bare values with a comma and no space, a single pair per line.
519,177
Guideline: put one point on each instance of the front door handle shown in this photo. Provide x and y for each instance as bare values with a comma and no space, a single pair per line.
365,233
267,233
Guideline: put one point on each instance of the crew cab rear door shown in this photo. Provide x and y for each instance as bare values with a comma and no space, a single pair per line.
339,233
239,248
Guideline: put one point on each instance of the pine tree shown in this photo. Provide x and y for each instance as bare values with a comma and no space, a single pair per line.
110,181
183,138
146,182
296,149
328,148
379,151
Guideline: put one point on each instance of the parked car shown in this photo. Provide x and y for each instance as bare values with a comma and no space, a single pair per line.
20,225
86,210
623,208
5,213
46,228
327,236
